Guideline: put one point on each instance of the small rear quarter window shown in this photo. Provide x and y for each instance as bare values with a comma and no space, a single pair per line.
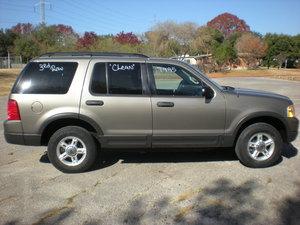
46,78
98,83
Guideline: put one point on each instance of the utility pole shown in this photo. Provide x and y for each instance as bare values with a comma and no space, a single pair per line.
41,5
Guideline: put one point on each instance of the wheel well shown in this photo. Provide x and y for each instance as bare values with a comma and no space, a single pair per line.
52,127
277,123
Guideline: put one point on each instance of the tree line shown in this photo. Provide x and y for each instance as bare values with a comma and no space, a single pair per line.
223,40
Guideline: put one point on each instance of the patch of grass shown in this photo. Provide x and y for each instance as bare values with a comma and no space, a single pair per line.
269,180
97,183
7,79
7,199
215,202
286,74
183,212
187,195
52,213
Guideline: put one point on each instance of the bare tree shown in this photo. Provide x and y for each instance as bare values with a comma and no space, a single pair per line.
251,47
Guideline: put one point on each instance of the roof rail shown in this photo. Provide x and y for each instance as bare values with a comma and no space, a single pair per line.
91,54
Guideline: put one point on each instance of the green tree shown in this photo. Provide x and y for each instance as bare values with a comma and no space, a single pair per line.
109,44
166,37
280,48
45,37
206,40
294,56
26,47
225,54
7,38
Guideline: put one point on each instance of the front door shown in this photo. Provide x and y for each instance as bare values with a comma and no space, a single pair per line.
114,96
182,116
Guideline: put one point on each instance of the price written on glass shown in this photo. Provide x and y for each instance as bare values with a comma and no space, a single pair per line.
170,69
50,67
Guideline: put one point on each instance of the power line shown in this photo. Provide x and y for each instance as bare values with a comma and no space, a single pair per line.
89,16
120,14
15,5
70,18
78,18
100,16
11,22
94,16
77,13
16,9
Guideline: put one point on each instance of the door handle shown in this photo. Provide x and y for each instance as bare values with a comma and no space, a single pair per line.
94,102
165,104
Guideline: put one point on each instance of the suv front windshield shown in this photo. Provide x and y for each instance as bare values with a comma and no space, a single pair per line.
197,69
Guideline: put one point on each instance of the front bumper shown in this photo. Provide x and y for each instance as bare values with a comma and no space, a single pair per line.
292,128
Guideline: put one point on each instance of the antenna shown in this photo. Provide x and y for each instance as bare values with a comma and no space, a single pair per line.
42,6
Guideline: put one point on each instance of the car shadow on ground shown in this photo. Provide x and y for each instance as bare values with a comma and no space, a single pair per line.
223,201
109,158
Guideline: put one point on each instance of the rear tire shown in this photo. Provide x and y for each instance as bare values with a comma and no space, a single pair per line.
72,149
259,145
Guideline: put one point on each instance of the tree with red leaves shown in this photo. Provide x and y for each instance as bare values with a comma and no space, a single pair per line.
64,29
228,24
88,39
66,36
127,38
23,28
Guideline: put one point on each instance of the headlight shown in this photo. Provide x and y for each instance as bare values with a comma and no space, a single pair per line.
290,111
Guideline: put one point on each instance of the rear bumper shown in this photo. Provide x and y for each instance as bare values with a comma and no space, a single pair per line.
13,133
292,129
23,139
14,138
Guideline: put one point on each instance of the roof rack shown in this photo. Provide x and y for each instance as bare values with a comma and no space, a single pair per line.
91,54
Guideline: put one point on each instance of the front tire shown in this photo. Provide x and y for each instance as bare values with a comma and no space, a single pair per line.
259,145
72,149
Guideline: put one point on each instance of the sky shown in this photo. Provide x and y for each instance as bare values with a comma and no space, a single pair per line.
138,16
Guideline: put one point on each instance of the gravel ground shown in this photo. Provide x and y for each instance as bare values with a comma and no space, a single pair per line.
210,187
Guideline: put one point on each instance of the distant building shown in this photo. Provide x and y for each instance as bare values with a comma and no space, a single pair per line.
203,61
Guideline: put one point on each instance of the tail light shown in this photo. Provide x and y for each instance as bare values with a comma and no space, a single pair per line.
13,112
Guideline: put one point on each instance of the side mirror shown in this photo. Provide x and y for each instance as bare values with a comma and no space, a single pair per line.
207,92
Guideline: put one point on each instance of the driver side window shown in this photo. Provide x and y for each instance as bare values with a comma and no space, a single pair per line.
175,81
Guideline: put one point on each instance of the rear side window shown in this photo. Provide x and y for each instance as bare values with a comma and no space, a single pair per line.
46,78
98,83
124,78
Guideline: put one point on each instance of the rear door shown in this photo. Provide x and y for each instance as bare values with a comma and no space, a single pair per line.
48,88
182,117
115,96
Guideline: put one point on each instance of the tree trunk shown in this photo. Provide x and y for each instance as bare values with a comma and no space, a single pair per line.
285,63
